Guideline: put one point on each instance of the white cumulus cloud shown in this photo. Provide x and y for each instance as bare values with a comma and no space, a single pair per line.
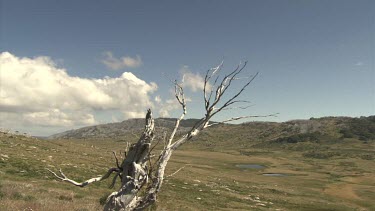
120,63
166,107
34,91
193,81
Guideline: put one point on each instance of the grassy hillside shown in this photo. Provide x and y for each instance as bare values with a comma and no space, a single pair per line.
317,168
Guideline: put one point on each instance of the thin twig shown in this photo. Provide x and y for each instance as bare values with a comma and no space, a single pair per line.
114,154
171,175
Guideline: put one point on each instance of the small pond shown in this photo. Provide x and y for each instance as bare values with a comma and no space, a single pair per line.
275,175
250,166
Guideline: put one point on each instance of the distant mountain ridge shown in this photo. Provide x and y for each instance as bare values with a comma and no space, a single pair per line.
362,128
118,129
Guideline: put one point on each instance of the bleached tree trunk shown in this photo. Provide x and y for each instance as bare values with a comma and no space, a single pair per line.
135,171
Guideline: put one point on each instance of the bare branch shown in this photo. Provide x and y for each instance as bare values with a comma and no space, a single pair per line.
117,164
241,78
225,84
87,182
242,117
114,180
179,93
206,82
229,102
239,107
150,151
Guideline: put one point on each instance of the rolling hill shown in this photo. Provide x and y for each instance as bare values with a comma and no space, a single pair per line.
335,127
315,164
116,130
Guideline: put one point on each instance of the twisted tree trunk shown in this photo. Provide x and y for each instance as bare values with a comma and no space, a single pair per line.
134,172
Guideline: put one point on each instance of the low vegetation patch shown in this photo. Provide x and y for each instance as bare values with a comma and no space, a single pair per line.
362,128
320,155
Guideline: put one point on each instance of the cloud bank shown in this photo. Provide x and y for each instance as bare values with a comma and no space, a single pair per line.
34,91
114,63
36,95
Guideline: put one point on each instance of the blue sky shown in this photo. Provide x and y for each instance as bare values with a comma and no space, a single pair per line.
315,58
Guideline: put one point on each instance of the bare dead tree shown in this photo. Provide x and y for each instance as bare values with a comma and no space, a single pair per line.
136,171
